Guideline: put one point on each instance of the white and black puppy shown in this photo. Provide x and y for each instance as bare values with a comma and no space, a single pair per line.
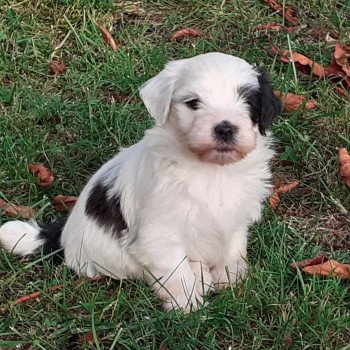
175,208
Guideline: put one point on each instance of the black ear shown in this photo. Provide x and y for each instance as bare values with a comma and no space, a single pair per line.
264,105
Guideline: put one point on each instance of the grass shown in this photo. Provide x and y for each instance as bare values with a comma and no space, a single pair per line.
99,111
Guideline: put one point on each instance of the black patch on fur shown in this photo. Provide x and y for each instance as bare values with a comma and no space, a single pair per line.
51,233
263,103
105,210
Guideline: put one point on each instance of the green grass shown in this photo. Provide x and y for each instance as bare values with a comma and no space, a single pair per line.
273,308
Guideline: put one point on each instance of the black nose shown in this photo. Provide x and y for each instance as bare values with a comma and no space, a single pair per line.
225,131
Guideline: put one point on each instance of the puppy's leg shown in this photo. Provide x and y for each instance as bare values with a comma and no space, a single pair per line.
168,271
232,268
202,273
176,283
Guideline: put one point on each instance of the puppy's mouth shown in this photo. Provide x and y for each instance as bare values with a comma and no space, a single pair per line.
220,154
224,149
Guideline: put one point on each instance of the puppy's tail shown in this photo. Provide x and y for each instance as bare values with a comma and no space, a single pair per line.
27,238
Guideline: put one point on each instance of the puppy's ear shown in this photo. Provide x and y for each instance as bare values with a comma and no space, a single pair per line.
157,92
264,104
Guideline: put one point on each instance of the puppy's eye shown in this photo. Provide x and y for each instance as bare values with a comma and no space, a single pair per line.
193,104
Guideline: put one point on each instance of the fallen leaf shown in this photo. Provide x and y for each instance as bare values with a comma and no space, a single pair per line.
330,268
339,69
336,74
35,294
341,91
275,198
64,203
107,37
344,165
341,57
275,26
56,118
326,34
309,262
289,13
87,338
44,175
163,347
304,64
292,102
184,33
11,209
57,67
289,343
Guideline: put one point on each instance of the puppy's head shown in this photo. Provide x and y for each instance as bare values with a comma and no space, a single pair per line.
219,103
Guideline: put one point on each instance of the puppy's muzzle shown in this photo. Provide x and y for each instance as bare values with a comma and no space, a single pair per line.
225,132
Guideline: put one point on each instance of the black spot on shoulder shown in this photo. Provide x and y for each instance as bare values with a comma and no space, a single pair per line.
105,210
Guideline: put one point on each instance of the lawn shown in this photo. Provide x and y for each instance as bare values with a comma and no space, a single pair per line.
75,121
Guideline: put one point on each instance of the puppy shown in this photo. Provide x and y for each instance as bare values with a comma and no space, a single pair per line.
175,208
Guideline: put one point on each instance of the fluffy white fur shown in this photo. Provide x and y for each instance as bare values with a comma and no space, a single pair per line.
187,200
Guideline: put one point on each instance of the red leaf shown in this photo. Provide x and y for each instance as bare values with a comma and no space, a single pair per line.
44,175
330,268
344,165
64,203
289,343
35,295
275,198
341,55
309,262
292,102
107,37
184,33
11,209
304,64
288,11
57,67
87,338
341,91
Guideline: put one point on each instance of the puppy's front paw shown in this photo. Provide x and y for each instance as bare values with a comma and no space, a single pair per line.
184,302
226,275
204,281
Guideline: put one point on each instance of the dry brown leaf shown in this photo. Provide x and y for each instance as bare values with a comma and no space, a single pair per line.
344,165
107,37
289,343
36,294
339,69
184,33
341,55
333,70
319,259
326,34
288,11
11,209
337,74
57,67
44,175
304,64
275,198
341,91
330,268
56,118
292,102
275,26
64,203
87,338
